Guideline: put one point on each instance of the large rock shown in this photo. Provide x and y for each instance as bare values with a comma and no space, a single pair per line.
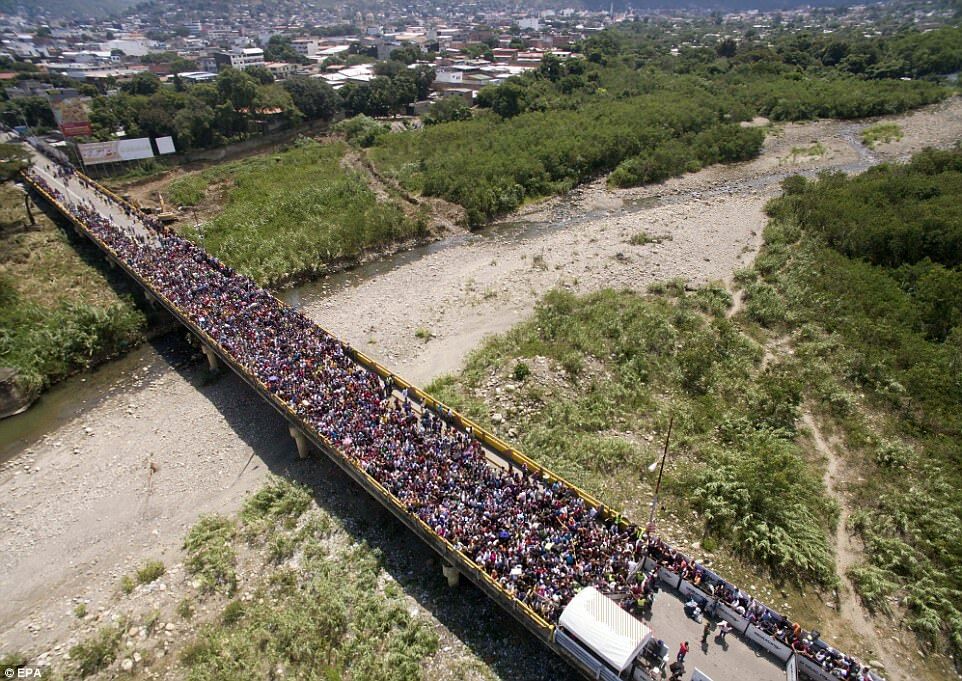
13,399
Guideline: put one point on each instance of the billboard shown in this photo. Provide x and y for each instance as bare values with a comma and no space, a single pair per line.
110,152
165,145
70,112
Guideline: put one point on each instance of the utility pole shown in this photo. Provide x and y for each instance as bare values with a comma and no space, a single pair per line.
661,472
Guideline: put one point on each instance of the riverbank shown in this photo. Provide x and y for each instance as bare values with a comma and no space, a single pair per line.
61,309
121,482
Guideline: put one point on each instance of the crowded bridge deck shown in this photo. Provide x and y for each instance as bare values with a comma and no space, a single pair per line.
526,537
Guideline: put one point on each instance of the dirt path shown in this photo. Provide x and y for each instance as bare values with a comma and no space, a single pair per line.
74,510
848,554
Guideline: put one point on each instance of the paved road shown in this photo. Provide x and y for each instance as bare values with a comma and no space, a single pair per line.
736,661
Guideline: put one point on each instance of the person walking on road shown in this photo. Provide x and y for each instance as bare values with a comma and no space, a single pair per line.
724,630
682,651
709,625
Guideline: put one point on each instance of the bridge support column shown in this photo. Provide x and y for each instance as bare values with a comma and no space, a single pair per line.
212,359
451,573
303,444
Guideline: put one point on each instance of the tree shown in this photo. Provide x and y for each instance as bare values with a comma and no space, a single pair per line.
506,100
356,98
726,48
35,111
406,54
279,48
269,98
236,87
424,77
260,73
382,97
389,69
550,67
403,91
144,83
13,159
448,109
193,126
314,97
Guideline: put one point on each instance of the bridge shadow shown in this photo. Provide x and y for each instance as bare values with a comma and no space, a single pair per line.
466,613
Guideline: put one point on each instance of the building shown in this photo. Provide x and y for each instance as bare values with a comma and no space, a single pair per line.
197,76
307,47
240,59
281,69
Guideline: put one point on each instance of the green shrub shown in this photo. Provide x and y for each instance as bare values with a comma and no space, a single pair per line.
764,305
150,571
521,370
767,501
210,554
874,586
97,652
13,661
361,130
127,584
232,614
278,499
294,216
185,608
880,133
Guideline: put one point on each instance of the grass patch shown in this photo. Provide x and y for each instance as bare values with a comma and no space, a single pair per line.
325,617
424,334
127,584
150,572
814,150
210,555
185,608
289,215
80,611
60,312
880,133
643,238
97,652
188,190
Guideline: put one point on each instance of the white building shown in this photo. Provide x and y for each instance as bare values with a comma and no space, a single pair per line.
240,59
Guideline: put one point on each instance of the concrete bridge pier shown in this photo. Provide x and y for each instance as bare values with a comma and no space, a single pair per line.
451,573
303,444
212,359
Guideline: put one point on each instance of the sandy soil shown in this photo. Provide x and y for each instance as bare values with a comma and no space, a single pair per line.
79,508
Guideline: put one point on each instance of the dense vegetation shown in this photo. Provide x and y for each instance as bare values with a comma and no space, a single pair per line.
874,299
632,108
58,312
875,330
626,363
294,213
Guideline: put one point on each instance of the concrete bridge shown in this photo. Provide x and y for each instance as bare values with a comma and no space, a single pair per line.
145,251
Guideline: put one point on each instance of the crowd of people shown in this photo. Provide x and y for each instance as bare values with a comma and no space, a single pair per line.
779,627
533,535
